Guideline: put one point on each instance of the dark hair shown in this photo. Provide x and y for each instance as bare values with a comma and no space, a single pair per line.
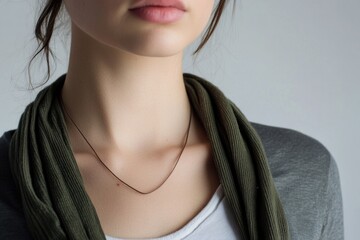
46,23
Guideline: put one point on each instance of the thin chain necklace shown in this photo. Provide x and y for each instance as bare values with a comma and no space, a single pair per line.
126,184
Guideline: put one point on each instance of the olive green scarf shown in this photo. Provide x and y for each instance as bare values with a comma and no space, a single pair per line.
56,205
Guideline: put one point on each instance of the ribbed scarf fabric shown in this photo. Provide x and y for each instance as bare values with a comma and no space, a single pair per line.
56,205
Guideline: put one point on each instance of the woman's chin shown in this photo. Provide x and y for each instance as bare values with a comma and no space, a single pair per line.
156,50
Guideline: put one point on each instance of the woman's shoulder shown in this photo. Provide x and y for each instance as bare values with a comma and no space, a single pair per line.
12,219
4,154
307,179
6,137
293,150
280,140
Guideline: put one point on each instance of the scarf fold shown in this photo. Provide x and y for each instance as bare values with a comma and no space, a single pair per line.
56,205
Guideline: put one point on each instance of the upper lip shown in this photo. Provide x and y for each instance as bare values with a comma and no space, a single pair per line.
160,3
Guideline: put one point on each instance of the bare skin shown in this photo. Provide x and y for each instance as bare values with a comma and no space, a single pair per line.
127,214
128,97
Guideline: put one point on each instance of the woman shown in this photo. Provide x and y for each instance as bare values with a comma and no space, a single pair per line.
124,145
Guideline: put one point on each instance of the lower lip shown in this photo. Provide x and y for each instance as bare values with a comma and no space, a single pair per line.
158,14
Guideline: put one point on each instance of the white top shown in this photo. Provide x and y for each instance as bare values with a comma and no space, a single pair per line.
215,221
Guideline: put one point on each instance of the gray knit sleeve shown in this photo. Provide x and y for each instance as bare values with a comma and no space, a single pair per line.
307,179
333,227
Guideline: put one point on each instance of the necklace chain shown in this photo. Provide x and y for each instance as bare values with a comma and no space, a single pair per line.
126,184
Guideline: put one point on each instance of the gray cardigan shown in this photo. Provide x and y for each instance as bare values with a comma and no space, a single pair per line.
305,174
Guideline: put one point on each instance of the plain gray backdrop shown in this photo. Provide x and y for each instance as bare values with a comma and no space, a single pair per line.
294,64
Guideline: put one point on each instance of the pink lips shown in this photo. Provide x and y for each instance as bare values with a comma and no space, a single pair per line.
159,11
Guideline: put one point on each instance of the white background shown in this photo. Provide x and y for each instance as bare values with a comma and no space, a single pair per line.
293,64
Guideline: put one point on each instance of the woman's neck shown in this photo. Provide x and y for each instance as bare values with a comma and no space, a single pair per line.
125,100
